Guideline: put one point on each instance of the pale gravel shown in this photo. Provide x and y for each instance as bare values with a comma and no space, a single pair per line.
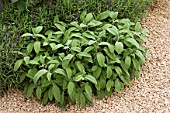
149,94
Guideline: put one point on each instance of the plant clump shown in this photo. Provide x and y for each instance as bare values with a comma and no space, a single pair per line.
96,55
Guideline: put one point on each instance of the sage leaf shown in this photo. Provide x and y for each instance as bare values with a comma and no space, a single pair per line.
56,92
109,72
18,64
133,42
109,84
118,85
119,47
60,71
37,46
101,59
127,61
113,30
70,87
50,94
91,79
88,90
118,70
39,74
103,15
38,92
82,100
88,17
140,55
30,48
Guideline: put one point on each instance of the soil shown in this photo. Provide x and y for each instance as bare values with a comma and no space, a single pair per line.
149,94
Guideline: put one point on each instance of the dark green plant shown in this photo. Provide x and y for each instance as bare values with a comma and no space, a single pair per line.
8,77
95,55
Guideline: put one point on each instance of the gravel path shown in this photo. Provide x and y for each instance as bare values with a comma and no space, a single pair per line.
149,94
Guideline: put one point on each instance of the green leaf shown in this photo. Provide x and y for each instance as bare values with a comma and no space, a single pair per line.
125,79
55,47
140,55
88,90
18,64
49,76
88,35
30,48
118,70
45,98
80,66
68,57
136,73
39,74
13,1
84,54
101,59
103,15
50,94
109,72
27,35
91,79
94,68
94,23
22,77
37,29
82,16
60,71
105,26
79,78
42,36
77,98
56,92
113,30
109,54
136,63
100,94
70,87
137,27
32,72
127,61
60,27
109,84
37,46
97,72
75,24
21,5
113,15
27,59
77,49
30,90
38,92
82,100
53,62
118,85
133,42
69,72
89,16
119,47
56,19
33,62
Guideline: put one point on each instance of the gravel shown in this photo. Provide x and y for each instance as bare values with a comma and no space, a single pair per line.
149,94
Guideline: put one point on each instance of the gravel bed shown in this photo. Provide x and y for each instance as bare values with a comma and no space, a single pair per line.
149,94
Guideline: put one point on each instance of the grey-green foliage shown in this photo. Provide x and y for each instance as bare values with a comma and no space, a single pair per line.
74,61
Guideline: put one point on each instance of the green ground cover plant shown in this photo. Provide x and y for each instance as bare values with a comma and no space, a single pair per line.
96,55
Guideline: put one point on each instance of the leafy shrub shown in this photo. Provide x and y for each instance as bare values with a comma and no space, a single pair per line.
73,61
68,10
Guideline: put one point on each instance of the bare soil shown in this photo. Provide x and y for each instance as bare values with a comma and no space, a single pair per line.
149,94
